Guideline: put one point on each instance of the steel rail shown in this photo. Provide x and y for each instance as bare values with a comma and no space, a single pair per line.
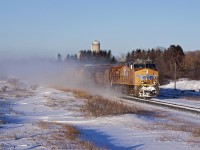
170,105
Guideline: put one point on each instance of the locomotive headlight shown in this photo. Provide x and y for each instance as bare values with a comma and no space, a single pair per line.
142,82
154,82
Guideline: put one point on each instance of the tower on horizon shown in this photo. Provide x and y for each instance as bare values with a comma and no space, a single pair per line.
95,46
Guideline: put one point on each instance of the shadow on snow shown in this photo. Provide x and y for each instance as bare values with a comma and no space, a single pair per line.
177,93
103,141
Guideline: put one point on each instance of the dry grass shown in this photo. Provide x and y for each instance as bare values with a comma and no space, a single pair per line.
182,126
165,138
177,127
43,125
80,94
194,139
192,131
70,132
62,136
173,126
196,132
99,106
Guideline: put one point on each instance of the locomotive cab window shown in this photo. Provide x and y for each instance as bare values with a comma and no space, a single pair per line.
153,66
139,66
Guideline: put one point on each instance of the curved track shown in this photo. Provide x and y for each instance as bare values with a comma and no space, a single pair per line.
170,105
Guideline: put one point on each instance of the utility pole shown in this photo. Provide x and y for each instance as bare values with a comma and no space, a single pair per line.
175,75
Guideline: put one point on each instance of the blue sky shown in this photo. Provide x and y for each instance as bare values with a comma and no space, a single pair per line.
46,27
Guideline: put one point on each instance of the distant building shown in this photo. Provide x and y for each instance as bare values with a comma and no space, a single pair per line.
78,55
95,46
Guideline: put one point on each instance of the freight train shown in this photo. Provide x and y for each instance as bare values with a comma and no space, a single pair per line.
138,78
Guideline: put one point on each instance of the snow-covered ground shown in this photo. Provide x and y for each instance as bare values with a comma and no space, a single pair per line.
187,92
184,84
24,106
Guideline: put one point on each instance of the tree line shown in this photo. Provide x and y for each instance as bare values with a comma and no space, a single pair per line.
187,64
87,56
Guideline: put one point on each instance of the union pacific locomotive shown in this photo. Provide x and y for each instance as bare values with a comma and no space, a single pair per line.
138,78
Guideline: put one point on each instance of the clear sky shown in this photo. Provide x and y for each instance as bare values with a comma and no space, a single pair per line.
46,27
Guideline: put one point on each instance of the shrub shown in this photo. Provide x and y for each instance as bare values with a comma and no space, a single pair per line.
62,136
77,93
98,106
196,132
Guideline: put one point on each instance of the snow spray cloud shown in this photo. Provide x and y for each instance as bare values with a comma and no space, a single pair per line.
41,71
51,73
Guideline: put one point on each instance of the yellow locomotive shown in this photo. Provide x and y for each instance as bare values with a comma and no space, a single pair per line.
139,78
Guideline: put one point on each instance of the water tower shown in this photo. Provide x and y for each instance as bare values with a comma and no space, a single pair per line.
95,46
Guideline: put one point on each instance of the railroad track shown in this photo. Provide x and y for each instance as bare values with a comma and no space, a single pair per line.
170,105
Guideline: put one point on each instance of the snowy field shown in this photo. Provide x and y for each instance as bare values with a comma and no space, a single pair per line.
187,92
25,107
